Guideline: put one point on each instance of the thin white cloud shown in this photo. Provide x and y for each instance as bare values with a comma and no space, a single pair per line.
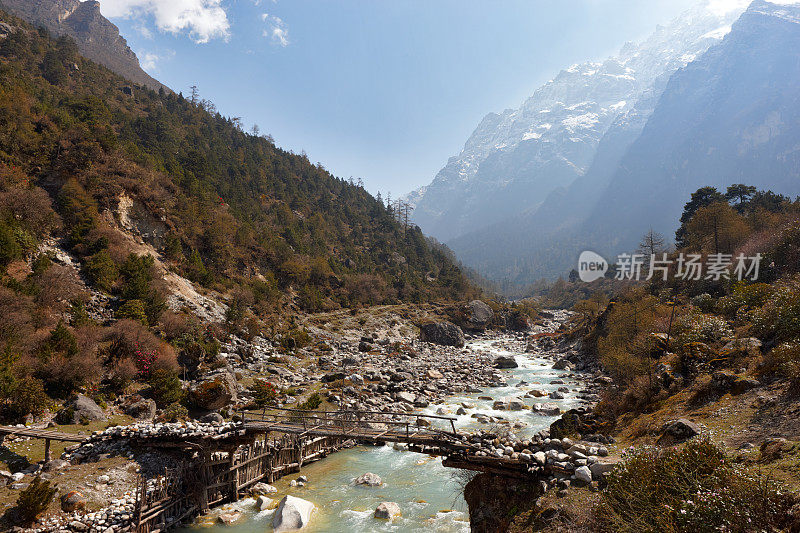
202,19
276,30
149,61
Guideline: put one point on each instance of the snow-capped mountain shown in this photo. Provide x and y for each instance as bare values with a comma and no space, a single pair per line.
514,159
730,116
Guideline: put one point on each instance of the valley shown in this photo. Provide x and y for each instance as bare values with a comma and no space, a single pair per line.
202,330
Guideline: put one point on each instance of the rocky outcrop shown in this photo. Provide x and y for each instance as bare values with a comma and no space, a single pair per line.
443,333
97,38
492,501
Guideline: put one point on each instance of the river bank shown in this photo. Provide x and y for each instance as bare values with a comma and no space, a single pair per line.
430,495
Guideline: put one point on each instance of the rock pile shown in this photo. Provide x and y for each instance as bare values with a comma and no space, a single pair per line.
118,516
562,459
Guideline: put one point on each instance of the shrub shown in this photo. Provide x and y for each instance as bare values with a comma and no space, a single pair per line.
744,296
264,393
134,310
165,387
705,302
784,360
34,500
295,338
779,317
122,373
101,270
22,397
174,412
701,328
695,488
313,401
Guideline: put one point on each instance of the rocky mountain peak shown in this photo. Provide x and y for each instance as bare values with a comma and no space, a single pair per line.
98,38
515,158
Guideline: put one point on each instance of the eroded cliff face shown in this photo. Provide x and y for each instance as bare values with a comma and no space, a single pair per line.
98,39
494,502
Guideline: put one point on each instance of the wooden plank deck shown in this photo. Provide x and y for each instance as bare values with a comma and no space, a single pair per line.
41,434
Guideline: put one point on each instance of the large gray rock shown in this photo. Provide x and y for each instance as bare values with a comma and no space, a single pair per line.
387,510
443,333
503,361
263,503
583,474
480,315
369,479
407,397
292,514
143,410
600,469
81,409
215,393
681,429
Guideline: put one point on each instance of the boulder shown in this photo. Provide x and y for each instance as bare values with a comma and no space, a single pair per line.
434,374
562,364
406,397
546,409
726,382
369,479
515,404
292,514
143,410
80,409
54,465
583,474
214,394
749,345
600,469
443,333
505,362
479,315
212,418
73,501
387,510
263,488
229,517
263,503
681,429
364,346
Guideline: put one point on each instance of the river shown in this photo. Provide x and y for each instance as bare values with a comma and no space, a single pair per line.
428,493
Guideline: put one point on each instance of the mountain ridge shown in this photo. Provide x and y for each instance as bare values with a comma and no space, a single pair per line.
515,158
97,38
723,119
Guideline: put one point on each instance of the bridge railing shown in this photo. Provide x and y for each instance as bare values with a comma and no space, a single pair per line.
351,422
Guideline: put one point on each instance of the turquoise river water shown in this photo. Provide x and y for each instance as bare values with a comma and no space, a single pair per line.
428,494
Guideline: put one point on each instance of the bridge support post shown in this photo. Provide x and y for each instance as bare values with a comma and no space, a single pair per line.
47,453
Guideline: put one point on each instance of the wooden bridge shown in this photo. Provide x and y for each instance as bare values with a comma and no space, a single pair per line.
429,434
267,445
46,434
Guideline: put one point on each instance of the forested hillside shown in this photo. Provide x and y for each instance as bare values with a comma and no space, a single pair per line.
226,208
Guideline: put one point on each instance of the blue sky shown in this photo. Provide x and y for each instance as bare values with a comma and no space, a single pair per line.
380,90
